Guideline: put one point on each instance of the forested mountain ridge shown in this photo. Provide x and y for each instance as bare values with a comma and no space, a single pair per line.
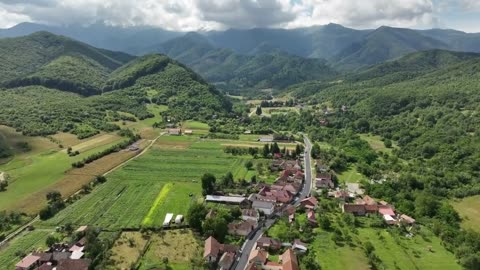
343,47
85,74
269,68
55,61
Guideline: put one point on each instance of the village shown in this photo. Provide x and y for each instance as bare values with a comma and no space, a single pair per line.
59,256
282,199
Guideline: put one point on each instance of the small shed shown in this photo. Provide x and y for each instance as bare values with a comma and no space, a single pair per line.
168,219
179,219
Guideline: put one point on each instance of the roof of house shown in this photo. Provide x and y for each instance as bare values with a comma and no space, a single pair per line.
263,204
299,244
407,218
58,256
226,199
28,261
267,241
325,176
386,211
310,200
44,257
388,218
289,260
80,264
311,215
353,208
45,266
243,226
258,255
76,248
212,247
226,260
290,209
82,228
77,254
174,131
369,200
250,212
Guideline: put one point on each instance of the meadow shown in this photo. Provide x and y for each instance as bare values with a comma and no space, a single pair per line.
179,246
422,251
38,171
469,210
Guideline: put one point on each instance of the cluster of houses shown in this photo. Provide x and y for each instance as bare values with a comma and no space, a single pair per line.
58,257
260,256
367,205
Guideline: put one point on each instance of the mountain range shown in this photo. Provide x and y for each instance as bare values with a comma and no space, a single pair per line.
344,48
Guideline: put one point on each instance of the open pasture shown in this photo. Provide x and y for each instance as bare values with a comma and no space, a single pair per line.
127,250
179,246
469,210
398,252
40,172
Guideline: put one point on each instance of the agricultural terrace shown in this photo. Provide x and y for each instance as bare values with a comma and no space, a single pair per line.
42,169
164,180
469,210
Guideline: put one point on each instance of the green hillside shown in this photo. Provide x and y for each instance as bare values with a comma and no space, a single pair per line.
25,55
66,79
266,67
384,44
170,83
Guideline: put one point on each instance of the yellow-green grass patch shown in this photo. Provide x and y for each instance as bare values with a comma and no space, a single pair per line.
95,142
469,210
179,246
127,250
351,175
148,220
376,143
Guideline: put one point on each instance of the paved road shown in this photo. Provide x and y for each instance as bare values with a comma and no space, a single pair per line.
249,245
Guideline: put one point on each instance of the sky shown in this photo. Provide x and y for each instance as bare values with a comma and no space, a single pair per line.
198,15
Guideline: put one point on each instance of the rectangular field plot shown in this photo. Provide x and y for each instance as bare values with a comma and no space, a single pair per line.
114,205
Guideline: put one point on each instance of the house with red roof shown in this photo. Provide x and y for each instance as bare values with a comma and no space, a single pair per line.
28,263
243,228
309,203
324,180
213,250
311,218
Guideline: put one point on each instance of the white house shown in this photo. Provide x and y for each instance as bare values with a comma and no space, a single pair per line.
263,206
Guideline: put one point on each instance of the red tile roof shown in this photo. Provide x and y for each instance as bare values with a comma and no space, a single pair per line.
28,261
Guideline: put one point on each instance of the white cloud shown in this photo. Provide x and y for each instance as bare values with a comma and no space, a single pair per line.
189,15
365,14
9,19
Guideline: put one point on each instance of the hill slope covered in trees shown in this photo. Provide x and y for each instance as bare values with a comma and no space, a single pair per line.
69,81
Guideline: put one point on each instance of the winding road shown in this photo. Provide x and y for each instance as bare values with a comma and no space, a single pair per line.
249,245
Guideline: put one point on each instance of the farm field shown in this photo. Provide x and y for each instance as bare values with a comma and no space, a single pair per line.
24,244
179,246
167,177
127,250
37,173
417,252
469,210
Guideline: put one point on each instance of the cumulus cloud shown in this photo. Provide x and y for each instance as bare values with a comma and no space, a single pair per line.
190,15
363,14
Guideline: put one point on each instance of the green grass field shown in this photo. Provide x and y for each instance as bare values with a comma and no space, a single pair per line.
376,143
39,171
351,175
469,210
179,246
164,180
398,252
